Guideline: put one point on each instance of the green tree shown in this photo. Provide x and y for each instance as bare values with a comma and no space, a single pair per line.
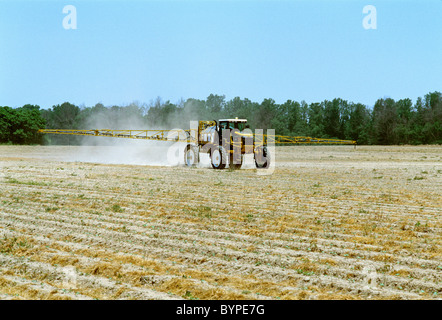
215,104
280,119
20,126
195,109
432,115
294,117
417,123
6,121
404,111
64,116
316,120
384,121
332,118
241,108
357,126
301,127
264,114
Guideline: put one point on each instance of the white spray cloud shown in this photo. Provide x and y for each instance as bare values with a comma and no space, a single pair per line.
111,150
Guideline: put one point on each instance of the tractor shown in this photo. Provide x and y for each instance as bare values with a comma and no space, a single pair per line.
227,141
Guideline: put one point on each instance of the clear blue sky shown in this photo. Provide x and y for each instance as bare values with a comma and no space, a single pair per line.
125,51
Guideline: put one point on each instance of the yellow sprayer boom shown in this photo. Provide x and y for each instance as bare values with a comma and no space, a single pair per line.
161,135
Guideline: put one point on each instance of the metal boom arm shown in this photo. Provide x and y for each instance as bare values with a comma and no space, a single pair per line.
189,136
159,135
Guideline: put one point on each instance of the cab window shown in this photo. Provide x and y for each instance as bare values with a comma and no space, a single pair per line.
223,125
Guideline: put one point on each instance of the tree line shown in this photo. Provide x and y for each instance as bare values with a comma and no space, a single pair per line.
20,125
387,122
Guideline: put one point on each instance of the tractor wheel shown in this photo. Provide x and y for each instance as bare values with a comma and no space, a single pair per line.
262,157
191,155
235,165
219,157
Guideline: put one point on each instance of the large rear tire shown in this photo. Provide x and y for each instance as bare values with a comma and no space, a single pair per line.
218,157
191,155
262,157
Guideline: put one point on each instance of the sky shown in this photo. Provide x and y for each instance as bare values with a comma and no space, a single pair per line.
135,51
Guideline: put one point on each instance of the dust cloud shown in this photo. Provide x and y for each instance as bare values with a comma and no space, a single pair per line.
111,150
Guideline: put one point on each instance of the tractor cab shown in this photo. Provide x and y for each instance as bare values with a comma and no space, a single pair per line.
239,124
208,130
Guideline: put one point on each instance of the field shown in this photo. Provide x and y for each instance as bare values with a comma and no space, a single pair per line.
331,222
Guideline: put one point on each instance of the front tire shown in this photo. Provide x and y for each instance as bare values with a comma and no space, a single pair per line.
218,157
191,155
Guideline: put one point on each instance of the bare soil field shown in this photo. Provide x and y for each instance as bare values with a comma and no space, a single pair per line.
330,222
